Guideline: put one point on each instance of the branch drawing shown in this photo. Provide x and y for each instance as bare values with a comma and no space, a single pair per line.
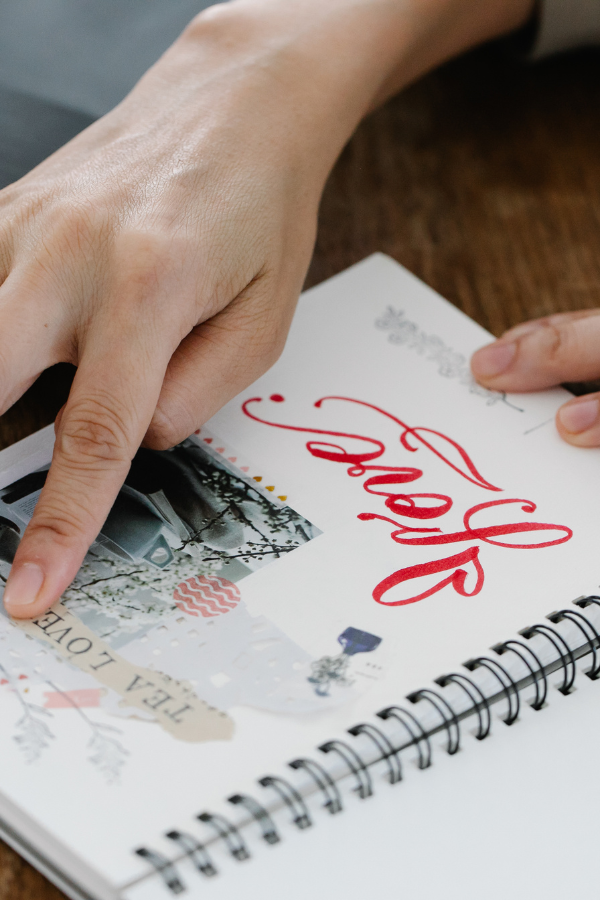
107,754
33,735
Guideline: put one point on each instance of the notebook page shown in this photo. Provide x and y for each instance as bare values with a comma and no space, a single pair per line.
311,608
514,815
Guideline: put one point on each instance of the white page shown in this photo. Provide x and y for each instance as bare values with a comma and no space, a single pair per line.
513,816
312,595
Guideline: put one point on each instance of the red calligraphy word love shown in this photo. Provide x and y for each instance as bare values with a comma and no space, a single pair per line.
408,505
459,576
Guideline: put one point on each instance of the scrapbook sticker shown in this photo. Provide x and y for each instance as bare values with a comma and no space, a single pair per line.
335,670
154,624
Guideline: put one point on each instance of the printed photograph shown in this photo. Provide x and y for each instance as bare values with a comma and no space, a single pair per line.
162,586
185,528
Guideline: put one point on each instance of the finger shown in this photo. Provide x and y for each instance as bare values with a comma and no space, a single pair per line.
114,394
542,353
58,419
7,235
216,361
578,421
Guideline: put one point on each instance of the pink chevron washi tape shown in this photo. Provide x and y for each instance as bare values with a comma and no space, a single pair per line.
207,597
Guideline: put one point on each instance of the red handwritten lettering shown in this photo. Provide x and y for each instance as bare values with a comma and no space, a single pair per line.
474,476
457,579
359,462
335,453
320,449
486,533
400,529
404,504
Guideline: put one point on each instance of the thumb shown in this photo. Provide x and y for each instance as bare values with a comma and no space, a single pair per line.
542,353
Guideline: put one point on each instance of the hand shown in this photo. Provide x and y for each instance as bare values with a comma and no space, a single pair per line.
544,353
162,251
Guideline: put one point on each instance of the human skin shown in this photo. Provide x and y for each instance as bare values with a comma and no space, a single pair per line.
543,353
162,251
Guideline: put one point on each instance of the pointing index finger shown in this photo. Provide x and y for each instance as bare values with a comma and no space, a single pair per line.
111,403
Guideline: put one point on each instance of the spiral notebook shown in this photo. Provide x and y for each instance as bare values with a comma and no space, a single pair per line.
288,663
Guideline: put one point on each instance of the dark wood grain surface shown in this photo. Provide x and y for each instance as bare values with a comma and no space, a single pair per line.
483,179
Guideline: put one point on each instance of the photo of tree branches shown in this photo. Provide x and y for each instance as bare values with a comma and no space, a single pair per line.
181,513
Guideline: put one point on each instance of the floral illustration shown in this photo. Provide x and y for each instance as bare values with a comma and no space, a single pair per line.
33,734
106,753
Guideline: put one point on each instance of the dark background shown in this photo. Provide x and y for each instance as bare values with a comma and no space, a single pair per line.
483,179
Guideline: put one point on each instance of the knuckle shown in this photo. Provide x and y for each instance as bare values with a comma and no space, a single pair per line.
274,350
62,522
209,21
171,423
143,256
66,244
253,352
562,345
74,229
6,368
6,250
93,433
556,341
144,264
162,437
267,346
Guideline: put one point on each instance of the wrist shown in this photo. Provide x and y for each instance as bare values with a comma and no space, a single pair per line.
441,29
356,52
307,70
317,68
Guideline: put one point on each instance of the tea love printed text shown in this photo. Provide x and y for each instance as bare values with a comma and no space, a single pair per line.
359,452
173,704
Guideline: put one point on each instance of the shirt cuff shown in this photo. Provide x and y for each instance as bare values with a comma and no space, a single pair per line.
565,24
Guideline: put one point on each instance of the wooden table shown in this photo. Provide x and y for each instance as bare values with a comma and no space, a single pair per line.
484,180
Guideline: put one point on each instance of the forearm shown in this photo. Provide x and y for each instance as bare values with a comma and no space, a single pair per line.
437,30
334,61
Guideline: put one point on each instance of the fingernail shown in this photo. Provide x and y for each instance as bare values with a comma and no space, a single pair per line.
578,417
23,585
493,359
